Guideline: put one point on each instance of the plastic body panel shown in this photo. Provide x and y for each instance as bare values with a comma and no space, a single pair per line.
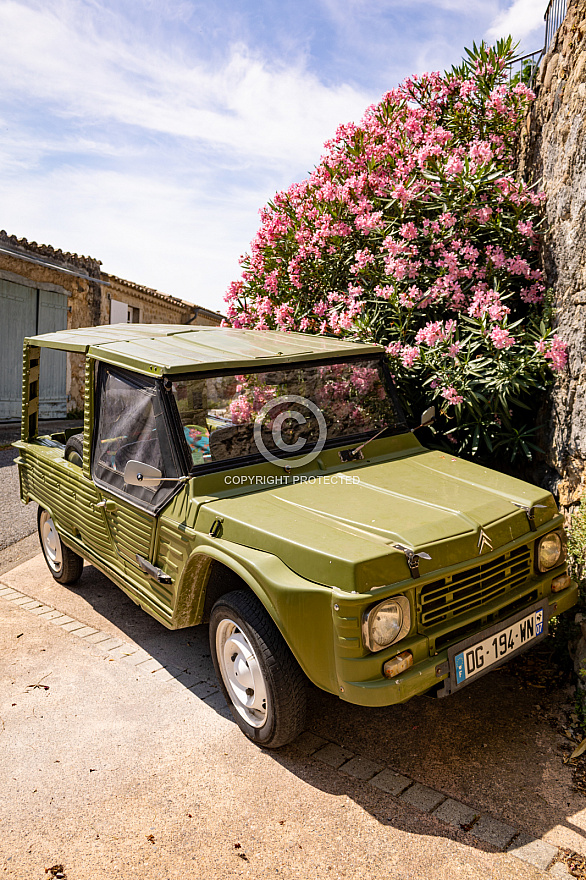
318,549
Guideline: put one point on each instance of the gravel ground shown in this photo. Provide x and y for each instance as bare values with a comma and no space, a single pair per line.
17,520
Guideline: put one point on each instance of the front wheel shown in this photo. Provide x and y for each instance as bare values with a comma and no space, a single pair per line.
258,675
65,565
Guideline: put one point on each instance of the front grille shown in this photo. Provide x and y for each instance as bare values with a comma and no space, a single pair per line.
455,595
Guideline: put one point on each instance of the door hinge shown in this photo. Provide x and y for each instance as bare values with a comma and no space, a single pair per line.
217,527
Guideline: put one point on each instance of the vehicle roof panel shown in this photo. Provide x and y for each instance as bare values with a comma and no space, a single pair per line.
154,349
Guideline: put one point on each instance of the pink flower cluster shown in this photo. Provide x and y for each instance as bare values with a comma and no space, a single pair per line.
555,350
412,228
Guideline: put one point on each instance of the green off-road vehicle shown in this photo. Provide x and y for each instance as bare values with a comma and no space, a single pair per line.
268,483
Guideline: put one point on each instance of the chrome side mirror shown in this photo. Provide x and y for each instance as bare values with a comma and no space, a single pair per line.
428,417
136,473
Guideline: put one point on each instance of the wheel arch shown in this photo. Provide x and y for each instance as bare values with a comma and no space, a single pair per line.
211,574
301,610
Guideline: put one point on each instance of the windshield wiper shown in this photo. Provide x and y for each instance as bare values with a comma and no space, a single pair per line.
356,454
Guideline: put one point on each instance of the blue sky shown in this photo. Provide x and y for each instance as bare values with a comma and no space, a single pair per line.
148,133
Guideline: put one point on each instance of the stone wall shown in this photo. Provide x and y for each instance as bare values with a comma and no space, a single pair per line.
78,276
90,292
153,307
553,155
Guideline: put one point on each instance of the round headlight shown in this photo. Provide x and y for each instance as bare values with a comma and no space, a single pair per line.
550,551
386,623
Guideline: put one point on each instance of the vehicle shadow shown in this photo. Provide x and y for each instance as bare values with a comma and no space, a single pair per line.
496,746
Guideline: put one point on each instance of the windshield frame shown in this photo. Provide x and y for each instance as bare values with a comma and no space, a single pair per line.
257,458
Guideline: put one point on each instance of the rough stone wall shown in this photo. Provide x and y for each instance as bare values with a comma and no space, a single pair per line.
85,306
154,307
90,296
553,154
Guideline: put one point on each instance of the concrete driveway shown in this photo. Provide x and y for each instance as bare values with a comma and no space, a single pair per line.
118,759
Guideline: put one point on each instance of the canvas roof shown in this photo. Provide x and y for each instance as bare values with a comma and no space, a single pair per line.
157,349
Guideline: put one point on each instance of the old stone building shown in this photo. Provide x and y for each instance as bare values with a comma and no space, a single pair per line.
553,156
43,289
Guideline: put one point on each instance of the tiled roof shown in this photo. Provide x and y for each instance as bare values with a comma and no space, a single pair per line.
156,294
90,264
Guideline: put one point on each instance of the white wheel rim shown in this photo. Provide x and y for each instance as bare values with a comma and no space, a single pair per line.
241,673
51,542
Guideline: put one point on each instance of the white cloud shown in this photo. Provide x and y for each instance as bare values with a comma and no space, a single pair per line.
141,133
521,19
159,233
277,113
141,155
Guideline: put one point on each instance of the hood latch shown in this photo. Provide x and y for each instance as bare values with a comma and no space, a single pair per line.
412,559
529,513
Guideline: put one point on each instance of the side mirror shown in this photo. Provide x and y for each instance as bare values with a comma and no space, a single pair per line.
136,473
428,417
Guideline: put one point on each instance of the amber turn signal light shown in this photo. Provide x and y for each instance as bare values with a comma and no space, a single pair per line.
560,582
398,664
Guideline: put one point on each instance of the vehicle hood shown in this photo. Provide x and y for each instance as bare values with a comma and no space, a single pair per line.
339,529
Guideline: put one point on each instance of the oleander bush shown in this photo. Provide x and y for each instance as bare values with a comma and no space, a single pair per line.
413,232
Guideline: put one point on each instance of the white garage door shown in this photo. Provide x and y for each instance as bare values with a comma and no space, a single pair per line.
26,311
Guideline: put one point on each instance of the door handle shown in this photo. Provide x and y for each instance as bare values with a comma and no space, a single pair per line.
154,571
106,505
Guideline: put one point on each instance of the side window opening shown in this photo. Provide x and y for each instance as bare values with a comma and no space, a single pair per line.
130,426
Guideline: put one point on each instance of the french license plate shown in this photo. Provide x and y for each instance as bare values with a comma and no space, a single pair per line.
473,658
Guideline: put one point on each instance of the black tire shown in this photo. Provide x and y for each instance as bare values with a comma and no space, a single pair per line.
74,450
65,565
272,669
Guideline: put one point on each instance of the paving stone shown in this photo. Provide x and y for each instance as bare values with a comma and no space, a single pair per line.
188,679
5,591
422,797
216,701
559,871
110,644
84,632
32,603
163,675
74,624
98,637
391,782
492,831
361,768
308,743
203,689
137,657
62,619
454,813
44,611
150,665
53,615
333,755
121,651
533,850
20,600
14,594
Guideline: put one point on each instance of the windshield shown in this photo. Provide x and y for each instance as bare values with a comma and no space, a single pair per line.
294,407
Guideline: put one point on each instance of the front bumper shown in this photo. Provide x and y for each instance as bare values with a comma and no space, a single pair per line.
428,672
